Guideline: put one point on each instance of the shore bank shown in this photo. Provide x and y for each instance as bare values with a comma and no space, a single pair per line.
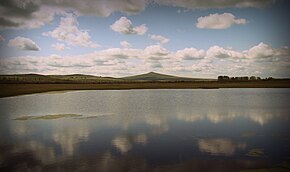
7,90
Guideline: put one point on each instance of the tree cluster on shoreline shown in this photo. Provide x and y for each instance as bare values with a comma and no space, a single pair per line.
242,78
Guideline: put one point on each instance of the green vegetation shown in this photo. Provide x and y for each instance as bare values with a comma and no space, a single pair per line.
255,153
57,116
94,116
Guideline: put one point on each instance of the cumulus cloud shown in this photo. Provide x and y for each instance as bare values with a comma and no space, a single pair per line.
125,26
155,56
58,46
125,44
22,43
261,51
69,32
190,54
218,21
220,52
159,38
156,51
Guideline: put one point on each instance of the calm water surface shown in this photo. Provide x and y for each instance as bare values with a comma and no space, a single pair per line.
147,130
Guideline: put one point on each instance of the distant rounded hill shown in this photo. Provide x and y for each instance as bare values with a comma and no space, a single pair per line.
153,76
80,78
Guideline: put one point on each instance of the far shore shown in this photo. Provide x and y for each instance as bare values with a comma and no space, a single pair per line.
8,90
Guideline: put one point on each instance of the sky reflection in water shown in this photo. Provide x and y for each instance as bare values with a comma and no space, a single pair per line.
147,130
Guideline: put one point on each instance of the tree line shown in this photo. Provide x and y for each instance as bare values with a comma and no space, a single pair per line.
242,78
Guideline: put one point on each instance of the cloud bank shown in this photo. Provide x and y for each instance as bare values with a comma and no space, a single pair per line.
216,60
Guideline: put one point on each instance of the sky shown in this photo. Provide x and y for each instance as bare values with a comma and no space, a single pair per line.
192,38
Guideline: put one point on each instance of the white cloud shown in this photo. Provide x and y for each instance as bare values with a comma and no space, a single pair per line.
125,44
156,50
218,21
219,52
190,54
58,46
125,26
159,38
69,32
261,51
22,43
118,53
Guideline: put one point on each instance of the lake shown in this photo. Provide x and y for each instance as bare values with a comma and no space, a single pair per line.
146,130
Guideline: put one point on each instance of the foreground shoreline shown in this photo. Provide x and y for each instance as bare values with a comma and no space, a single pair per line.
8,90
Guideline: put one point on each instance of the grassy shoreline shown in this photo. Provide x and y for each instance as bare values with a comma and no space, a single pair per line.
8,90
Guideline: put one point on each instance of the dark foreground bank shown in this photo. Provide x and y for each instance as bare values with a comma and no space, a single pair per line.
7,90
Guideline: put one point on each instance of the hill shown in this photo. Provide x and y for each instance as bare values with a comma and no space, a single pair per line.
36,78
90,79
152,76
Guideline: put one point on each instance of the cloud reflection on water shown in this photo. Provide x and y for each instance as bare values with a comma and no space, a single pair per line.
125,143
219,146
259,117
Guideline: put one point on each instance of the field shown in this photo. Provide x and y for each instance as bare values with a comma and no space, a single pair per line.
14,89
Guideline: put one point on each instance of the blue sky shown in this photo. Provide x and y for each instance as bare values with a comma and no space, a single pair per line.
189,38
